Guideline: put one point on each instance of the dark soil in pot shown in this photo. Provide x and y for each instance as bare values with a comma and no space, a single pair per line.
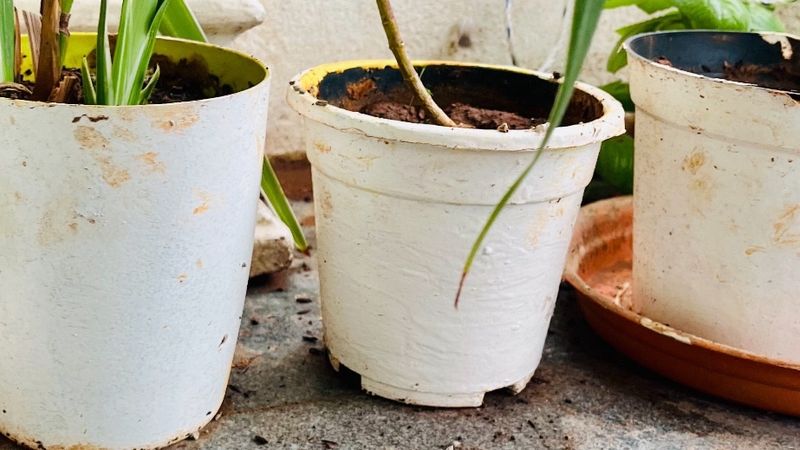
753,58
474,97
182,81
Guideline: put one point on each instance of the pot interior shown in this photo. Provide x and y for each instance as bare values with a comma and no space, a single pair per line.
482,87
193,60
763,59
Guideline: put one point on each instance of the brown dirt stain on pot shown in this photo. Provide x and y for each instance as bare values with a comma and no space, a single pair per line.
754,249
203,207
182,278
97,144
322,148
57,222
176,122
89,138
113,175
123,134
326,205
694,162
150,159
787,227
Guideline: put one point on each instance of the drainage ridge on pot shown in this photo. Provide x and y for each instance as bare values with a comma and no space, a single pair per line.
398,205
717,189
126,237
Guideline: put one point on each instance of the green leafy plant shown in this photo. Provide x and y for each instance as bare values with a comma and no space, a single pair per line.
615,164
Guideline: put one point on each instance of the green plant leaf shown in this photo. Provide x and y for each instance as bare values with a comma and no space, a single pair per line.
63,36
278,202
584,23
715,14
103,65
615,163
89,91
151,85
138,26
180,21
763,18
652,6
621,91
7,41
648,6
619,58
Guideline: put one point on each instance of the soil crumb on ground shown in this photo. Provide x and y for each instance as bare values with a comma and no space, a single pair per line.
465,115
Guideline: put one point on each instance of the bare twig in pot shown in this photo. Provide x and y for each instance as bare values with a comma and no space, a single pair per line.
407,68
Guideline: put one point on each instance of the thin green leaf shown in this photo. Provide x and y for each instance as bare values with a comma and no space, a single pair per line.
103,65
63,37
139,24
619,58
89,91
277,200
180,21
151,85
584,23
7,41
615,163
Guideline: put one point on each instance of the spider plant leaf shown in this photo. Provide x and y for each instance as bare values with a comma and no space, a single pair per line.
151,85
89,91
104,66
138,26
63,30
277,200
7,42
180,21
584,23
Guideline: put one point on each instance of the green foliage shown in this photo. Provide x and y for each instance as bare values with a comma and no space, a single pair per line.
277,200
584,23
119,81
7,42
179,21
615,163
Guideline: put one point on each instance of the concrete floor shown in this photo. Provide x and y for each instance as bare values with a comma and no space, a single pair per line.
283,394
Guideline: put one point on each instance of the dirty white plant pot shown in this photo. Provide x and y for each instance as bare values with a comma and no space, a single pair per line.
717,193
125,239
398,206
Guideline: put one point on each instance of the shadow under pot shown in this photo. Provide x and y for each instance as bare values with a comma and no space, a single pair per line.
717,186
400,202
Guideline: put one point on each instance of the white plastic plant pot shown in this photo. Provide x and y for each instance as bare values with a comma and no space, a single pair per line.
717,191
399,204
125,239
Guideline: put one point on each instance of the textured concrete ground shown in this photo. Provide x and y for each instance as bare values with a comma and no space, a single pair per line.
284,395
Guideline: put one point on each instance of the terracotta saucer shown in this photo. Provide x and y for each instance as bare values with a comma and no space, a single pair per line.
599,267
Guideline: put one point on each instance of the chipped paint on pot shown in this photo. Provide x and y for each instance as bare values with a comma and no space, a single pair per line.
398,206
717,194
126,236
